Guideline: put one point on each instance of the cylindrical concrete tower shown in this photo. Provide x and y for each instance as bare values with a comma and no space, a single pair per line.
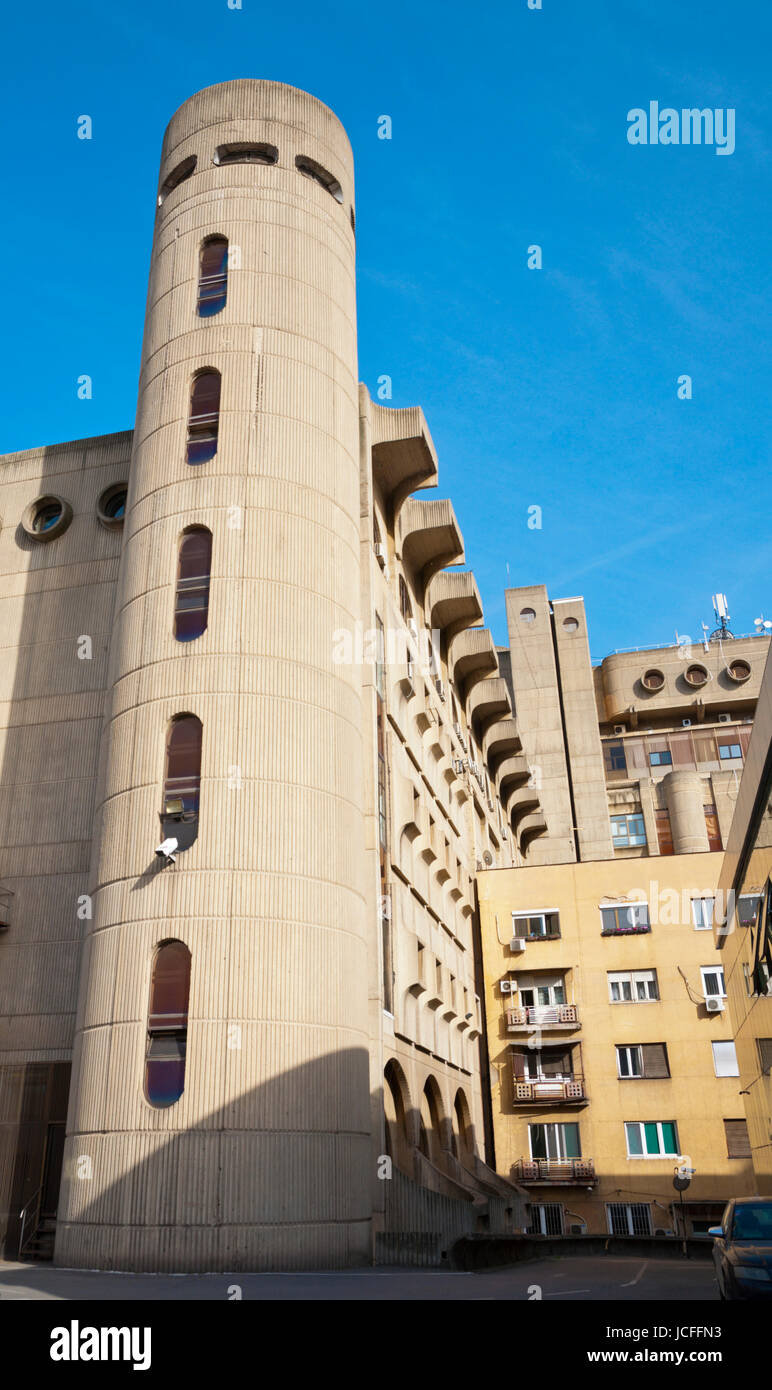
685,796
263,1161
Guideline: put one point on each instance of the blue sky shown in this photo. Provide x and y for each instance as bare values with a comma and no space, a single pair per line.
552,388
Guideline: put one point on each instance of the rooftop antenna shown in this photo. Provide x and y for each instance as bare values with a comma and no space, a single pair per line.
762,626
704,627
721,610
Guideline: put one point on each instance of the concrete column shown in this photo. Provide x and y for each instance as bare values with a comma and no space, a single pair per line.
684,796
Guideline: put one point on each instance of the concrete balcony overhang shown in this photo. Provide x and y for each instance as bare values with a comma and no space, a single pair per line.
512,774
403,453
429,537
501,740
488,701
522,801
472,657
530,828
453,602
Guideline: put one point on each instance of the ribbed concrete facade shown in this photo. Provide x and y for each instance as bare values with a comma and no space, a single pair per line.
322,887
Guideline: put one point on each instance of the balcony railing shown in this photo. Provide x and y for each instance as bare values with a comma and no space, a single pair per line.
549,1092
542,1016
549,1170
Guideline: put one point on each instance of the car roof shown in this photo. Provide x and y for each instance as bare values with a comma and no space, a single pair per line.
752,1201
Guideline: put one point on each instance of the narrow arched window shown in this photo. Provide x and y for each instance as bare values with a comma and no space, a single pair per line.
167,1024
212,276
191,604
405,606
182,780
204,419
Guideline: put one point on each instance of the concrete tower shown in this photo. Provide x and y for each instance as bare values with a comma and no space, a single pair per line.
264,1159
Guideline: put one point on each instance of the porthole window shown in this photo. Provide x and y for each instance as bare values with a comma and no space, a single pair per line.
111,507
527,615
652,679
191,607
571,624
314,171
241,152
167,1024
738,671
177,176
212,276
204,418
695,675
46,518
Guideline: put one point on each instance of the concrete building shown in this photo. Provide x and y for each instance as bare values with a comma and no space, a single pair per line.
745,944
605,999
256,746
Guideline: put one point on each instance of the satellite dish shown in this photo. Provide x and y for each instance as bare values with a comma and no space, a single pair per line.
681,1184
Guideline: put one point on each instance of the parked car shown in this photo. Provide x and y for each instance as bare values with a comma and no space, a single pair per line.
742,1249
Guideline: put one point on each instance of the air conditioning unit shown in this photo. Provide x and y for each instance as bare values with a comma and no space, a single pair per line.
490,803
459,732
458,766
380,555
517,944
725,719
714,1004
686,723
439,687
508,987
620,728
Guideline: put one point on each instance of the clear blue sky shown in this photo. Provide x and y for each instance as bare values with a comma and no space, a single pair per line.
554,388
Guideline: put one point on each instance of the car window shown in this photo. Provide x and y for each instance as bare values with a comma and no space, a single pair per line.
753,1222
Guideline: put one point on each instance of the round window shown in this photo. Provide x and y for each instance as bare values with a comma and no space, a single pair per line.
527,615
695,675
46,518
653,679
738,671
571,624
111,507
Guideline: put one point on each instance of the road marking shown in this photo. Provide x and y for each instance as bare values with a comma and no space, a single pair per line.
566,1293
629,1285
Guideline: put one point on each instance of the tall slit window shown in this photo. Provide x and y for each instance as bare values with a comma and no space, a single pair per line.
167,1024
182,780
191,605
204,419
212,276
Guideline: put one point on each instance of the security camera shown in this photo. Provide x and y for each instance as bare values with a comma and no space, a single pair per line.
166,850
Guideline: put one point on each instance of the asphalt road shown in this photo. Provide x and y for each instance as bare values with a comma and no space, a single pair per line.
580,1278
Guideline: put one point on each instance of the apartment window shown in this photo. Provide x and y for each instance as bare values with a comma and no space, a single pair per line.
738,1144
546,1219
628,1218
632,986
713,980
543,1064
380,659
702,913
212,276
624,919
664,832
765,1055
660,757
322,176
725,1059
627,830
727,749
182,779
177,176
191,604
204,418
536,925
642,1061
614,757
167,1024
546,995
651,1139
712,827
554,1141
747,909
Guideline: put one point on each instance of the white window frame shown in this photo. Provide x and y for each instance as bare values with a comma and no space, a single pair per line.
540,1208
628,1211
724,1043
637,906
703,898
542,912
557,1128
630,1048
717,970
634,977
638,838
641,1124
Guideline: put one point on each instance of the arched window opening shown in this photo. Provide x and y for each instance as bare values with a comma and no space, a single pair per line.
464,1130
182,780
167,1024
177,176
204,419
191,605
431,1116
241,152
212,276
398,1140
322,176
405,606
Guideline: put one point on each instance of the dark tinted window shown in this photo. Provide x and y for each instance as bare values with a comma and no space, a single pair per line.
204,419
191,607
212,277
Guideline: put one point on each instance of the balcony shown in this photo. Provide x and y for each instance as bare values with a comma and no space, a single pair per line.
548,1092
543,1172
560,1017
